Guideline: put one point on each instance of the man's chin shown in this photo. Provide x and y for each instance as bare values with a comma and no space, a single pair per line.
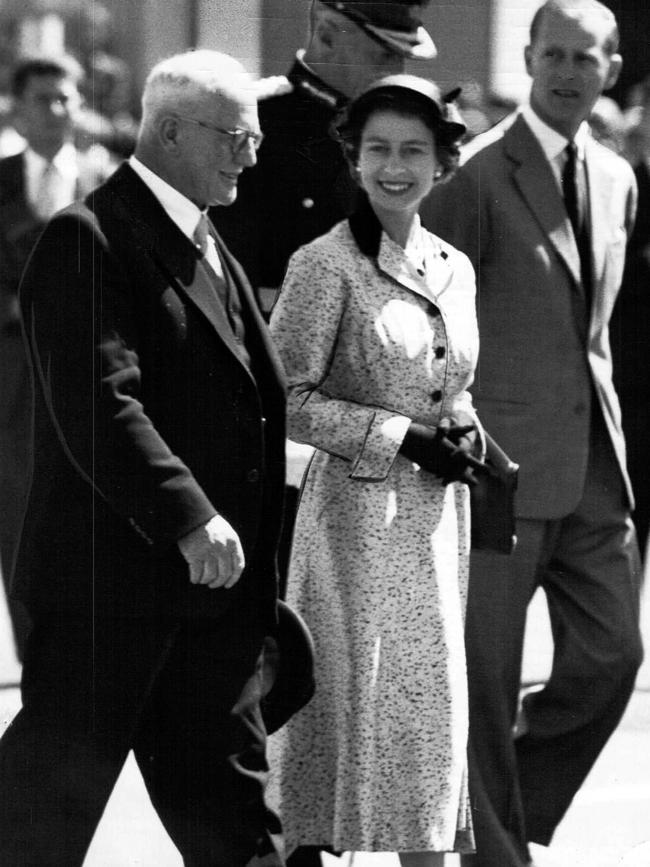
225,199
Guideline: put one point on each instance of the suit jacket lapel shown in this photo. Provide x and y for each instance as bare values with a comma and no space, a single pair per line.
16,216
234,273
162,240
600,184
538,186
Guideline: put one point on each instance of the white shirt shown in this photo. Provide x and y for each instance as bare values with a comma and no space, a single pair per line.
178,207
552,143
63,181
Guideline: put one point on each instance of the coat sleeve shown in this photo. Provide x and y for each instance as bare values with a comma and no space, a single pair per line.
306,324
83,334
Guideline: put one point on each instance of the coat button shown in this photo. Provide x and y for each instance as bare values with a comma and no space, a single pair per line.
436,396
253,476
308,203
440,351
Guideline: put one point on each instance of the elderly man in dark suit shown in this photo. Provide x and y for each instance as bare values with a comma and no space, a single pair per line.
50,173
147,557
544,212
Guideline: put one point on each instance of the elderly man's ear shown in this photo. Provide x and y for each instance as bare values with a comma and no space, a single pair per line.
168,131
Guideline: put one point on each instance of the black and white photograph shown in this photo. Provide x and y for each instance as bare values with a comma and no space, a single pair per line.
324,433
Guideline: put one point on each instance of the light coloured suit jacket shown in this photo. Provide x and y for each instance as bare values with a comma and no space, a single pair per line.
545,356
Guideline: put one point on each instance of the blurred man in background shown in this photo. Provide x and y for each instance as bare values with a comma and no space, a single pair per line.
50,173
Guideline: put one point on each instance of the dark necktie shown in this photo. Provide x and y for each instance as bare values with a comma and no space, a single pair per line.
574,189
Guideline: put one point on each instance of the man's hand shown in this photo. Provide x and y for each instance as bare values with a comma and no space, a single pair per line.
214,554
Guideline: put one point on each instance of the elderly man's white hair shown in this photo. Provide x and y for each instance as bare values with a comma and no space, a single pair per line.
179,82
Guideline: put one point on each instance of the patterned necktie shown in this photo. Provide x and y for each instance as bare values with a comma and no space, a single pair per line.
205,243
574,190
201,233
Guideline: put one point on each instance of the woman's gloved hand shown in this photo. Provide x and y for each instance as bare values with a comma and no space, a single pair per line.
445,451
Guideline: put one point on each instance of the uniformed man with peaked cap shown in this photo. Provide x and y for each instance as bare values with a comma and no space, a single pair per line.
301,186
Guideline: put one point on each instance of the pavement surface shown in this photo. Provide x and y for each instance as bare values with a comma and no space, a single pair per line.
608,825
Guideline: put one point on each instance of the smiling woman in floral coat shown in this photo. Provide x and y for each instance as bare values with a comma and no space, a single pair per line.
376,327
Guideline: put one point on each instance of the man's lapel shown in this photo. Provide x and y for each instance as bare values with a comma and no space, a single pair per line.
538,186
16,216
175,255
234,273
600,184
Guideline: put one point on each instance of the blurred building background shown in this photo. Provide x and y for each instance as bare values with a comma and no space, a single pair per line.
479,42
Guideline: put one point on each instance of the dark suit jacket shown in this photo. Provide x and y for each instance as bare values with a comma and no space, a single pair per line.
300,187
20,227
542,356
147,422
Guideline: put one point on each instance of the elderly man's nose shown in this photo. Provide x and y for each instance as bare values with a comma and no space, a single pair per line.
247,156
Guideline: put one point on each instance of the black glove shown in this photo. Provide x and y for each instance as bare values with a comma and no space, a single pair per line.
444,452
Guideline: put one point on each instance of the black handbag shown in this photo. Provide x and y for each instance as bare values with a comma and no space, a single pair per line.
492,502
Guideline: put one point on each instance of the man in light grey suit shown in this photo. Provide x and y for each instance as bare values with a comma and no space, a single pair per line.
545,223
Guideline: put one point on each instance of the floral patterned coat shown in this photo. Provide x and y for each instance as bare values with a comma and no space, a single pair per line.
380,555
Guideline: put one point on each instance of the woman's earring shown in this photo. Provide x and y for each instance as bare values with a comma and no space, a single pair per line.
437,174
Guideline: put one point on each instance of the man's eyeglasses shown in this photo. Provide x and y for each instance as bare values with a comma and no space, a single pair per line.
239,138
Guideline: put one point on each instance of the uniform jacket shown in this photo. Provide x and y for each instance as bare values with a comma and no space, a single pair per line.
300,187
20,227
543,357
147,422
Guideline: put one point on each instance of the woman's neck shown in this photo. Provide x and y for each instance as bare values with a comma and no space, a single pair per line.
398,225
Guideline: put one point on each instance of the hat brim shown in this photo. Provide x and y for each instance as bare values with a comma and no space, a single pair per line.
416,46
289,669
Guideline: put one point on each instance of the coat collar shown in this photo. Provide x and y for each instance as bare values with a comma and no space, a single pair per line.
534,177
537,185
16,216
305,81
391,259
160,239
601,183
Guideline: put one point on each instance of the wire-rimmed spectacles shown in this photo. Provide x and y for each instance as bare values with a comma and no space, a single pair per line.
239,138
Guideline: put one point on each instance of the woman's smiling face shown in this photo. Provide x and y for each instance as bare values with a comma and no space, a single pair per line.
397,161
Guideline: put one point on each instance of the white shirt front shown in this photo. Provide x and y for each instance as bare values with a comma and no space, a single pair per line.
178,207
552,143
62,180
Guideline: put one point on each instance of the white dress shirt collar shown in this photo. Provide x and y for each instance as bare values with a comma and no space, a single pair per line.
179,208
552,143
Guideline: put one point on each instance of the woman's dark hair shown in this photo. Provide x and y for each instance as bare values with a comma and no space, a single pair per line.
421,101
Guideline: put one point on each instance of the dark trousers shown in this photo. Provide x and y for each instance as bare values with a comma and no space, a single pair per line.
183,695
588,565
